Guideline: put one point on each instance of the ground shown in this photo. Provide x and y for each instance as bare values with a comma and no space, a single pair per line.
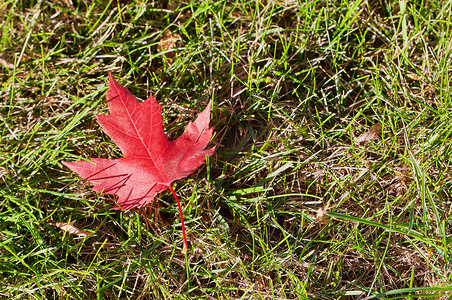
332,172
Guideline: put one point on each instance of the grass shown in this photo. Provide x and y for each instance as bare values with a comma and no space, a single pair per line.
291,205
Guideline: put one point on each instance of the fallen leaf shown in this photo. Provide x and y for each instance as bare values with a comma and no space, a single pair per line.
168,42
321,217
70,228
151,162
5,63
372,134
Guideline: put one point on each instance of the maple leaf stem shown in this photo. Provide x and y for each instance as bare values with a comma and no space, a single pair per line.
184,249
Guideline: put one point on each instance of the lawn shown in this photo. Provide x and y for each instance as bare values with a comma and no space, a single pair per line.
332,174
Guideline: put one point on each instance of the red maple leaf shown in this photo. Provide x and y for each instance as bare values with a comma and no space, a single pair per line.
151,162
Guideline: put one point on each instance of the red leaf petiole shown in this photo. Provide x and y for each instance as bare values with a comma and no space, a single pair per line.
184,249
